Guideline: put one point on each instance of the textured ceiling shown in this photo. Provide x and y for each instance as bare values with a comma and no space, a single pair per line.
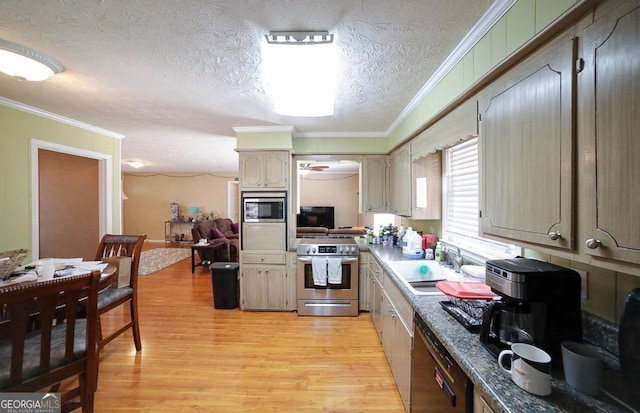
175,76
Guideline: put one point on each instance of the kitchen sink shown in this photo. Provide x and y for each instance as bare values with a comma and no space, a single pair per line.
421,276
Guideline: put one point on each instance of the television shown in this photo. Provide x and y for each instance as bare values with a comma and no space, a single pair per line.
316,216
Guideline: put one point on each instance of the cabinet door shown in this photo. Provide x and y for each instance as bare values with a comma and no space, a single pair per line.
264,287
276,166
401,182
402,347
251,170
427,192
527,149
376,305
363,281
387,316
264,169
610,97
374,184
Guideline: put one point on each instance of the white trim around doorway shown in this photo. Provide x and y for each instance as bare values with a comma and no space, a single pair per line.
105,190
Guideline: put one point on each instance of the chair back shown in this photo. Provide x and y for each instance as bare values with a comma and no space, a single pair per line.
113,245
48,343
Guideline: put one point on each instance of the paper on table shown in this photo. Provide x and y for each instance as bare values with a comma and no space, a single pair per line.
30,276
92,265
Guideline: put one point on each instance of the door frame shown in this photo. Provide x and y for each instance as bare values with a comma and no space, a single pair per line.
105,188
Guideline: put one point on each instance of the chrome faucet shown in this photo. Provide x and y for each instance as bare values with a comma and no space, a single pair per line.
455,257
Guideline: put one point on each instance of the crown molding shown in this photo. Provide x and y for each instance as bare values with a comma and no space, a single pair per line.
58,118
495,12
259,129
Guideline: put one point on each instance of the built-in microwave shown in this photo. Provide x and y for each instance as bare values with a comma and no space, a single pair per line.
264,207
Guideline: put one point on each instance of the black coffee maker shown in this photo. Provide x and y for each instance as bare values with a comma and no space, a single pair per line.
539,304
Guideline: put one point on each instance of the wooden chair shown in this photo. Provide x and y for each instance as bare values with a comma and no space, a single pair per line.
110,298
62,347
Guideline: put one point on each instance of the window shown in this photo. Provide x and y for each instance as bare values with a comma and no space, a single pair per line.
461,198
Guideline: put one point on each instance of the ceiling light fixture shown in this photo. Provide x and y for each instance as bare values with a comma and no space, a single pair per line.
135,164
26,64
301,79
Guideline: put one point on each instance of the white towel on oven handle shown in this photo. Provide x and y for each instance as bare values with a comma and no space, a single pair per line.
319,268
334,270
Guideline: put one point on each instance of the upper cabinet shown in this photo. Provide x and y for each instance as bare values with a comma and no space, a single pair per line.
427,189
374,184
609,125
400,182
264,169
526,149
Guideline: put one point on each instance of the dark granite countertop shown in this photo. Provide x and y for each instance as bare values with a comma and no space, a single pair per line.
494,384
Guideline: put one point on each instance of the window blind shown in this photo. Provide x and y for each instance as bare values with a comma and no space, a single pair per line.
462,184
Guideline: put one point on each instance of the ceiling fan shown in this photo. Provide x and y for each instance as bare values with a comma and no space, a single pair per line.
313,167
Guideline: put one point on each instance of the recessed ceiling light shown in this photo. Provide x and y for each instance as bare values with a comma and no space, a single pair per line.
135,164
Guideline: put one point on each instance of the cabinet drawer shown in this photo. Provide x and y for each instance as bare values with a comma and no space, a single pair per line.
264,257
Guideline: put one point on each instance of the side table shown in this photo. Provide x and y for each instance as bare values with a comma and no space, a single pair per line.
206,252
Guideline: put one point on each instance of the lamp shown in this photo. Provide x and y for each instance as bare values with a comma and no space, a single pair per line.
26,64
135,164
300,72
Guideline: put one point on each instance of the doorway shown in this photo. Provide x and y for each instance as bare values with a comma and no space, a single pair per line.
71,200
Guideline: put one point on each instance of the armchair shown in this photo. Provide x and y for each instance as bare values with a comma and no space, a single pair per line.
218,231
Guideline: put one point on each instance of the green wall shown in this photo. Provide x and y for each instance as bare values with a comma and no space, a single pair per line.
17,128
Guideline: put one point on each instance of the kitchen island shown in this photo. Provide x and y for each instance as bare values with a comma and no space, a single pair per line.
492,383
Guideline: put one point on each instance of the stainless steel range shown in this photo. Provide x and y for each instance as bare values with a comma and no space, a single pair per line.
327,276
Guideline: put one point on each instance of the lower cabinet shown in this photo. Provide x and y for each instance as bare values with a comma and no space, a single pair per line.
375,295
393,318
479,405
363,281
264,282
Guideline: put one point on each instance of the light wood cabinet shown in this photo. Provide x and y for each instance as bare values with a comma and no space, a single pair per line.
609,124
374,184
363,281
526,149
479,404
264,169
264,287
264,280
401,182
397,337
392,317
375,295
427,186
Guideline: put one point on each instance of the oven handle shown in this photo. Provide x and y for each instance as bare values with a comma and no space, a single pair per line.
344,260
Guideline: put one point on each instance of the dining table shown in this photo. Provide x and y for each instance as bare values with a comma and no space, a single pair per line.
107,276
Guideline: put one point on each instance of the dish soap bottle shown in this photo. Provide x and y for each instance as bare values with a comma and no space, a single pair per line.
438,253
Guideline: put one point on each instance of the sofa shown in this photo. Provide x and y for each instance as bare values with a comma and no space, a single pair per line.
218,231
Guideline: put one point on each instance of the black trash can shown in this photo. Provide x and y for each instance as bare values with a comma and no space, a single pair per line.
224,282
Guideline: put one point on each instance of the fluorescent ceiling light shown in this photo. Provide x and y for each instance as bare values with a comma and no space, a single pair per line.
26,64
300,75
135,164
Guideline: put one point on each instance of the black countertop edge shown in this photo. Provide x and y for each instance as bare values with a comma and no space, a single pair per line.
481,367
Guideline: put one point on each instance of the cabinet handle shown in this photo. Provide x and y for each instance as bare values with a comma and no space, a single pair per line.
593,243
261,258
555,235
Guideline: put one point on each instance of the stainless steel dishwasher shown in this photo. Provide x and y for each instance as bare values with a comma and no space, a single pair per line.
438,384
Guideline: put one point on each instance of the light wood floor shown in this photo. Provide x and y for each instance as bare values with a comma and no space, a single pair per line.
196,358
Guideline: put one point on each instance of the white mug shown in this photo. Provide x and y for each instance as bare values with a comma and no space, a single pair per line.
530,368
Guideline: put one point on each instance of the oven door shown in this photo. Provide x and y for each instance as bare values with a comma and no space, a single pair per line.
346,290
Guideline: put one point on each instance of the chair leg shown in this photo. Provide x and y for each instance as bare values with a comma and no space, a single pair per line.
135,327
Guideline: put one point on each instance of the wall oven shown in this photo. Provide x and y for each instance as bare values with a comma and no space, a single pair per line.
264,207
327,276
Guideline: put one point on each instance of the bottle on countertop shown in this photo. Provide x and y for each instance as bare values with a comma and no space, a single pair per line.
438,254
